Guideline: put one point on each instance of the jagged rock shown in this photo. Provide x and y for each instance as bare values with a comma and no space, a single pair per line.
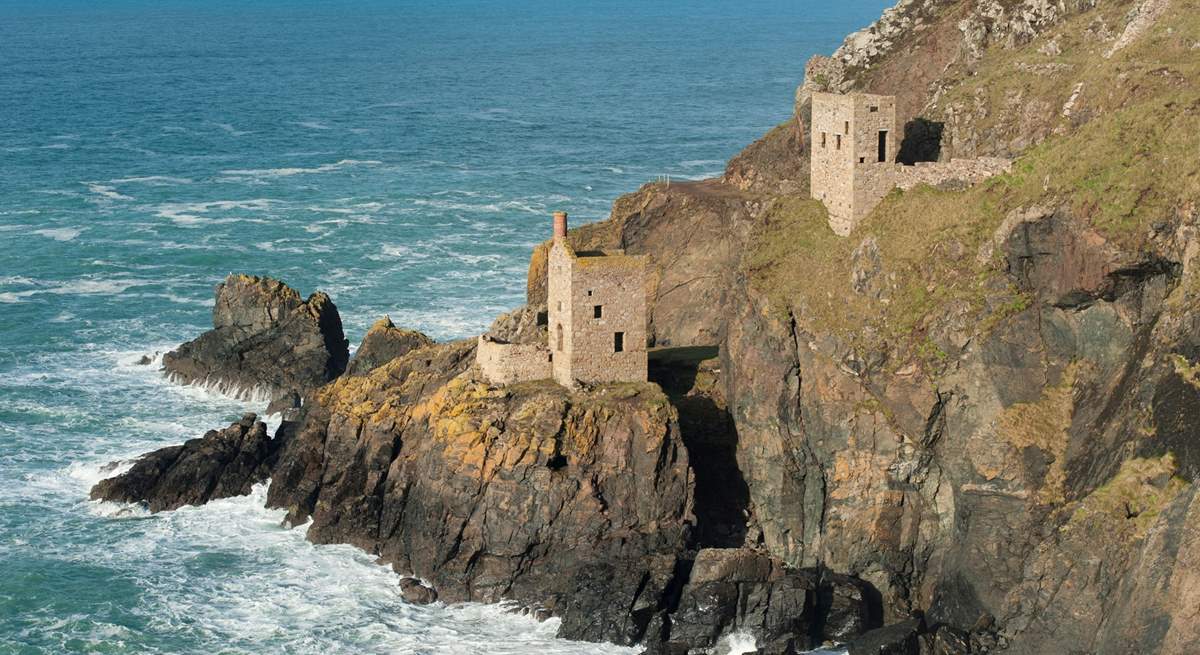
265,338
220,464
524,325
383,343
417,592
775,163
646,588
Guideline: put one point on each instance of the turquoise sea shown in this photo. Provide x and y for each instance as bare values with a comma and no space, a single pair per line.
401,156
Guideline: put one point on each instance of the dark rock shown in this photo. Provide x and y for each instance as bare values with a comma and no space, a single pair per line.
383,343
896,639
589,613
416,592
265,338
145,360
946,641
220,464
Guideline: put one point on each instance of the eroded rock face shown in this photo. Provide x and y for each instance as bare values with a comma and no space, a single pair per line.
220,464
265,338
383,343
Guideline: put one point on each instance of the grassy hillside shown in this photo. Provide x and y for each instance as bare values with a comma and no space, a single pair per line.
1125,158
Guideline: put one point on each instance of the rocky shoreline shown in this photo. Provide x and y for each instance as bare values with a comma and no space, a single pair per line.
969,427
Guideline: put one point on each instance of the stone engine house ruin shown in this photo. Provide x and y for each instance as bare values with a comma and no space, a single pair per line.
854,144
596,322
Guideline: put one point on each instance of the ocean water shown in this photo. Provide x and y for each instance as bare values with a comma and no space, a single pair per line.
401,156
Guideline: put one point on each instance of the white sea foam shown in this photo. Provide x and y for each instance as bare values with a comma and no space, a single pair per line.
232,130
59,233
190,213
286,172
79,287
105,191
312,125
152,180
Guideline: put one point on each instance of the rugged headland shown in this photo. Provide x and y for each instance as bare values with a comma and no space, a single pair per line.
971,426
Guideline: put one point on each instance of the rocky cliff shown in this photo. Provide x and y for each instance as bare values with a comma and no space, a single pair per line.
950,402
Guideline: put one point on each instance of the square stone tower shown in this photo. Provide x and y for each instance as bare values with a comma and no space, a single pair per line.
597,313
854,145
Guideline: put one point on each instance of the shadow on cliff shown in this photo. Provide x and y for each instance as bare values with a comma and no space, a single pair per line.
922,141
688,376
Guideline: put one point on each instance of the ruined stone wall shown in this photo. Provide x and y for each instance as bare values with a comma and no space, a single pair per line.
850,171
832,166
559,308
509,363
965,171
617,285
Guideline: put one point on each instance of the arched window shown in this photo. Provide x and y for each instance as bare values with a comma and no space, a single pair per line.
558,333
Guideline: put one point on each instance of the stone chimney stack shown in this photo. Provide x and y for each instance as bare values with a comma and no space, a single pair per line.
560,225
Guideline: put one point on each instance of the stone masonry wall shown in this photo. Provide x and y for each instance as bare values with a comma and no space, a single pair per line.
616,284
966,171
848,173
559,308
509,363
832,166
577,285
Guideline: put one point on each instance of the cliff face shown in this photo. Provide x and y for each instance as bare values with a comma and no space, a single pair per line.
981,401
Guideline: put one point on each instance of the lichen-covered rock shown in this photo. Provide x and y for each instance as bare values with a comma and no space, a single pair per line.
265,340
220,464
383,343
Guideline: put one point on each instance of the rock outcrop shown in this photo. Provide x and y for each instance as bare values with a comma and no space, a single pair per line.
220,464
383,343
265,340
518,493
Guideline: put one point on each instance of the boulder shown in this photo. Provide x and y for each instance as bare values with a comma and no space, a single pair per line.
265,340
383,343
220,464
